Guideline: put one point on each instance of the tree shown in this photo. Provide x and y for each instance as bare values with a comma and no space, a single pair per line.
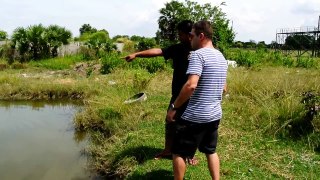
3,35
106,32
114,38
136,38
274,45
238,44
175,11
299,42
56,36
261,44
39,42
100,41
146,43
86,28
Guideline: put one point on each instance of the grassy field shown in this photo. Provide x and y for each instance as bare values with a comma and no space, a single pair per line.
264,133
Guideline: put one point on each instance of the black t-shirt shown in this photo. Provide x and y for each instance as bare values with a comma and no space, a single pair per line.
179,54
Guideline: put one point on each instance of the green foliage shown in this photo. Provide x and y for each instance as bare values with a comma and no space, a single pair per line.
7,53
115,38
18,65
298,116
141,80
109,114
56,36
175,11
264,56
299,42
146,43
128,46
86,28
3,66
259,115
110,62
38,42
3,35
305,62
87,53
152,65
121,40
136,38
100,42
57,63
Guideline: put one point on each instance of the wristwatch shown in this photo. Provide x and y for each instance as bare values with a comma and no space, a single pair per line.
172,107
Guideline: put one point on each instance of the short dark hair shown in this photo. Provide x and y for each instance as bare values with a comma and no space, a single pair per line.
203,27
185,26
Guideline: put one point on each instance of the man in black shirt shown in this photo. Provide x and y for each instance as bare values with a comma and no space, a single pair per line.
178,53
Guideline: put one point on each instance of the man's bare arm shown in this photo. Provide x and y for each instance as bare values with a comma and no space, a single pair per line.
147,53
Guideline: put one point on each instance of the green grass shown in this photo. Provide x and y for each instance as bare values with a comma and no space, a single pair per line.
59,63
256,140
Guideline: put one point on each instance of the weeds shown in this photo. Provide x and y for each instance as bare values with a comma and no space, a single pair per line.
265,107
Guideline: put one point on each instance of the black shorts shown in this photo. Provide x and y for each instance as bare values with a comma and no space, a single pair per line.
190,136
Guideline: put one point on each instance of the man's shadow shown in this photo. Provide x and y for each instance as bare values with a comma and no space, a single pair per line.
140,153
143,154
154,175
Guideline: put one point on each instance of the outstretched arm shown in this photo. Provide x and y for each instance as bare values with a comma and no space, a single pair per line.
147,53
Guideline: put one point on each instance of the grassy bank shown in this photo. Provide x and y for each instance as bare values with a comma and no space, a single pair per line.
264,132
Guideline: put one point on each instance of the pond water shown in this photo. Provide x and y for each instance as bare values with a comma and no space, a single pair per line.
38,141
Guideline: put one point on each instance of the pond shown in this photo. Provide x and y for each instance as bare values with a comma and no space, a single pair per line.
38,141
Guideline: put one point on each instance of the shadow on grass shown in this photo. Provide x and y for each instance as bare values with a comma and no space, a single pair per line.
141,153
154,175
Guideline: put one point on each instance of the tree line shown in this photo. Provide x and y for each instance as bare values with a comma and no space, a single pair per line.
38,42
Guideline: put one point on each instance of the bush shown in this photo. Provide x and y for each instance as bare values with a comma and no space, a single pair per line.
305,62
87,53
152,65
7,53
18,65
128,46
3,66
110,62
141,80
146,43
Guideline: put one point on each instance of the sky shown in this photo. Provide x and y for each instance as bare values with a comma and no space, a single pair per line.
256,20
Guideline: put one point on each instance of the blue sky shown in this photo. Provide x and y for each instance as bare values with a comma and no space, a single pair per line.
252,19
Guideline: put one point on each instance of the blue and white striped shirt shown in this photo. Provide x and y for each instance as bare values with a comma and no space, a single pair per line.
205,103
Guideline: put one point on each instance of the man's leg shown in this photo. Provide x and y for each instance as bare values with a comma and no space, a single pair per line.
169,131
179,167
214,165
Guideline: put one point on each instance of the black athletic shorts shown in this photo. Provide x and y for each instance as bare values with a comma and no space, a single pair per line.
190,136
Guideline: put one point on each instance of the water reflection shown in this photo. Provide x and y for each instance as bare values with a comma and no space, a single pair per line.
38,141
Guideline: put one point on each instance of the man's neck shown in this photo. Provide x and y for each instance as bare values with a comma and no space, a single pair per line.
207,44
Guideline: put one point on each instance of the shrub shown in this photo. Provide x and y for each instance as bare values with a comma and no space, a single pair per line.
128,46
3,66
146,43
305,62
18,65
152,65
141,80
110,62
87,53
7,53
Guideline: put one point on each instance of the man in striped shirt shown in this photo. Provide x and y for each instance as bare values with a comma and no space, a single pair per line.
198,126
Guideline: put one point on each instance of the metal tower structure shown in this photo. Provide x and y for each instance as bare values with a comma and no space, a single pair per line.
308,34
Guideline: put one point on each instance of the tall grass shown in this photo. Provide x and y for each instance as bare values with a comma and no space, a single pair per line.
262,57
113,61
58,63
260,133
